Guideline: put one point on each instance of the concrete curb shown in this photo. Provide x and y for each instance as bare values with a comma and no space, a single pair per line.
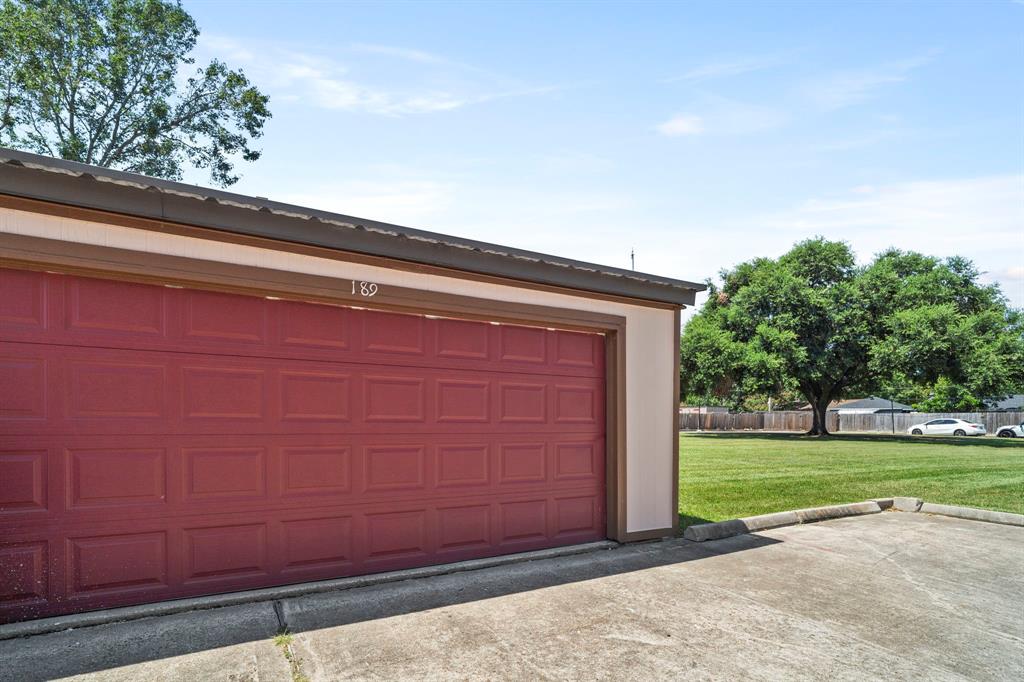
972,514
838,511
907,504
752,524
725,529
81,620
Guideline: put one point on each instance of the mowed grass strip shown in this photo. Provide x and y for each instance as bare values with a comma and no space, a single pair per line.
731,475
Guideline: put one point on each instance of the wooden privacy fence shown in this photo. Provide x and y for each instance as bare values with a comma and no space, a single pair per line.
864,423
751,421
884,422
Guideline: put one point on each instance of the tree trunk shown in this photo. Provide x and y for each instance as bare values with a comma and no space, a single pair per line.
820,408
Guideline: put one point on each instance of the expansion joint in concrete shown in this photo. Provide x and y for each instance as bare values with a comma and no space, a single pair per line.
282,624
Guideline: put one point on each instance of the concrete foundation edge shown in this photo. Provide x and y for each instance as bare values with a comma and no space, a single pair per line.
80,620
697,533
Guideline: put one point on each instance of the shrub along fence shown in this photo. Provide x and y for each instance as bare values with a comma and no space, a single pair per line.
863,423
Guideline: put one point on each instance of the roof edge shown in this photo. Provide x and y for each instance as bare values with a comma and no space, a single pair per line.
69,183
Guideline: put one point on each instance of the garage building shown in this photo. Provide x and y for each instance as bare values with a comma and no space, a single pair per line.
203,392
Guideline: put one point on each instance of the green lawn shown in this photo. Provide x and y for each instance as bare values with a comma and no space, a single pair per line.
729,475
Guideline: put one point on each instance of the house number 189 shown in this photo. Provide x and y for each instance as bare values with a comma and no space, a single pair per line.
364,288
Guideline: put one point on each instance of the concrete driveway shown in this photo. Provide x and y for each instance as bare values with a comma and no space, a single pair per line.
891,595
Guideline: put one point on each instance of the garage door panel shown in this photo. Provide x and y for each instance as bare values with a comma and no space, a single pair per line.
24,483
248,511
106,389
316,395
102,565
216,318
108,477
523,521
522,401
577,403
26,570
318,544
112,390
575,515
464,527
129,475
492,364
462,339
576,350
111,310
391,467
577,460
222,473
26,374
396,398
158,443
314,328
117,563
393,334
23,301
316,470
434,362
225,552
459,465
396,535
522,463
76,311
463,401
523,345
215,391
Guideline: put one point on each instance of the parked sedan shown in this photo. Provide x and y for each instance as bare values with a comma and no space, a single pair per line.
1011,431
947,427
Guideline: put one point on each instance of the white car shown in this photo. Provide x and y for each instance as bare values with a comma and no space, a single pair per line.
1011,431
947,427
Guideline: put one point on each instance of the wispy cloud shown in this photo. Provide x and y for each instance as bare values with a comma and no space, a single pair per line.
326,84
417,56
406,53
724,68
722,116
845,88
681,124
973,215
290,74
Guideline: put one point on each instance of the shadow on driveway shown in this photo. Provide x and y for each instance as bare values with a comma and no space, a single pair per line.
107,647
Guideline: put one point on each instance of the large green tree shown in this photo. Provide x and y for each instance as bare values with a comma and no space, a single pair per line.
105,82
904,325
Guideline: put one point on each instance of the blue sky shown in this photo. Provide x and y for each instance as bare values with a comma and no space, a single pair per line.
700,135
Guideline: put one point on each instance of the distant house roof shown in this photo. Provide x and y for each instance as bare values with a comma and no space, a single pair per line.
865,404
870,403
1014,402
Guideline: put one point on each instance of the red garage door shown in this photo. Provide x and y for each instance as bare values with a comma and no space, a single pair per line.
159,443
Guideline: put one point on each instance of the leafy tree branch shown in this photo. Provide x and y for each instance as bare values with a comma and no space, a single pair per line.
103,82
